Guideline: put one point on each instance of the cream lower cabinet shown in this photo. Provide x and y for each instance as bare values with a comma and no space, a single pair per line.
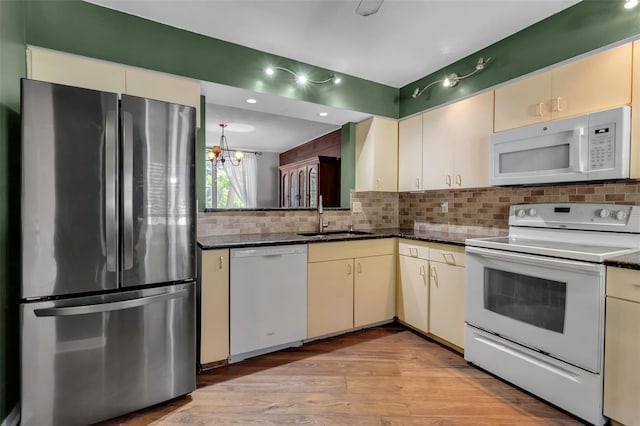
329,297
374,289
622,347
430,290
446,293
214,314
412,297
349,284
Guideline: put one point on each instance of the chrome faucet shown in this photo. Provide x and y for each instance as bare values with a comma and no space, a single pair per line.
321,224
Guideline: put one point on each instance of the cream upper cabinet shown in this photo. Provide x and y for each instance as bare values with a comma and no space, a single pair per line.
410,154
74,70
374,290
412,298
214,315
598,82
622,347
446,293
456,144
164,87
377,155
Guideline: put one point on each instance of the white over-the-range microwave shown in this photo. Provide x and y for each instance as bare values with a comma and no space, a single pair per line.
585,148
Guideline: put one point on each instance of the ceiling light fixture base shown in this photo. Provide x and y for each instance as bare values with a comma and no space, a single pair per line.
453,79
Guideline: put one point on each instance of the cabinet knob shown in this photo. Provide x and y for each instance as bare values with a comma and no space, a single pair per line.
448,180
417,182
349,269
359,268
458,180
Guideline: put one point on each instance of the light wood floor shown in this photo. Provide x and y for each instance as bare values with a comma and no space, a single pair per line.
382,376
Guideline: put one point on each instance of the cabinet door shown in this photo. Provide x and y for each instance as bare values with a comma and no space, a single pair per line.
437,152
591,84
470,140
410,154
622,352
295,191
413,292
523,102
214,316
330,297
164,87
377,155
313,186
73,70
374,297
446,302
302,183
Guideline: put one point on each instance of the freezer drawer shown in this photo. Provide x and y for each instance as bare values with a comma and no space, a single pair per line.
93,358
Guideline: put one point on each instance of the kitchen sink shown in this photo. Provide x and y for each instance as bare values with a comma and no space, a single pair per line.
332,233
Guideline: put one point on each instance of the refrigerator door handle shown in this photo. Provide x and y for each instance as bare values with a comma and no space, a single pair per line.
110,306
127,166
111,180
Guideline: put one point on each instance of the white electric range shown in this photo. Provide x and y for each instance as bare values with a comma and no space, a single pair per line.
534,300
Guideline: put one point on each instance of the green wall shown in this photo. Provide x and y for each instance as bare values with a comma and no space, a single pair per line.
586,26
86,29
347,163
12,68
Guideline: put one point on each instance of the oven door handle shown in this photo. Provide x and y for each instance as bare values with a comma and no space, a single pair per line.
544,261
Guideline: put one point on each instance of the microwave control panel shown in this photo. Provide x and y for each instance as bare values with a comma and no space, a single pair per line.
602,142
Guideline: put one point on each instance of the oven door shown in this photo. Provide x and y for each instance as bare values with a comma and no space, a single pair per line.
552,305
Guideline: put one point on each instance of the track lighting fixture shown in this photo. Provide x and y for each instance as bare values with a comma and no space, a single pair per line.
452,79
301,78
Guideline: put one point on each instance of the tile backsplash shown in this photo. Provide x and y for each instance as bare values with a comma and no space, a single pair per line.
489,207
379,210
481,207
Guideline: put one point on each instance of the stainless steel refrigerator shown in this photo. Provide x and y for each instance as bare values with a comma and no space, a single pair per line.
108,253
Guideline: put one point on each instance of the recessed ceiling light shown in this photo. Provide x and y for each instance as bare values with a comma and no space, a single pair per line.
323,114
251,101
630,4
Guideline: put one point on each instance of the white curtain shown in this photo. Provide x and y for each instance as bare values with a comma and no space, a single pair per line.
244,179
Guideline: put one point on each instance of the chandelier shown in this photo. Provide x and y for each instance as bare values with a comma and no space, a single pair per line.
217,153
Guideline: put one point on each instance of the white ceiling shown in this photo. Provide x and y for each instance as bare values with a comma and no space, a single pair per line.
404,41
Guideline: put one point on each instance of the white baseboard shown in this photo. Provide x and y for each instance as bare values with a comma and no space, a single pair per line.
13,418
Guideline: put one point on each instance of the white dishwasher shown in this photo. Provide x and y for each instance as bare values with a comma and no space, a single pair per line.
268,299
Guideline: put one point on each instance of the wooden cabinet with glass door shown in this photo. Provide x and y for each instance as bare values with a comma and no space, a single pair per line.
303,181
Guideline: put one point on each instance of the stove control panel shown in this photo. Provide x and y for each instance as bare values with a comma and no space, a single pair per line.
600,217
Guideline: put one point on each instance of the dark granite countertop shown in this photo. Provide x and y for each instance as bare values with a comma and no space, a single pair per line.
631,261
256,240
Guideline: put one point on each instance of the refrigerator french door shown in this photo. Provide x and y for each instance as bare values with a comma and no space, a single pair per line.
108,253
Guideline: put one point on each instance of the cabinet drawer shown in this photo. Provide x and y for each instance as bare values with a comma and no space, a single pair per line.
446,253
414,250
623,283
320,252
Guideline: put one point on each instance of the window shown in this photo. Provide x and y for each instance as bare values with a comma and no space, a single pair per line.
227,181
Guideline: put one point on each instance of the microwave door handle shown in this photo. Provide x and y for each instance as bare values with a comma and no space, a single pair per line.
578,137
